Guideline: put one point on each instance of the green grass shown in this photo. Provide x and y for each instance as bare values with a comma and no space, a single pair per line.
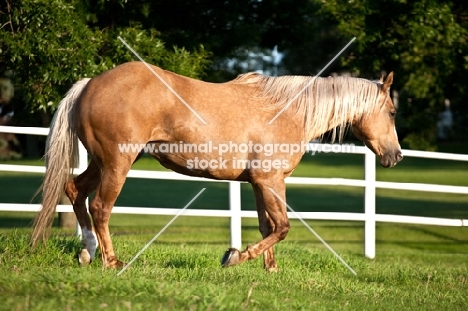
417,267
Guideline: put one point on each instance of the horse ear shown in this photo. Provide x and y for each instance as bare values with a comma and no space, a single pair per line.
388,82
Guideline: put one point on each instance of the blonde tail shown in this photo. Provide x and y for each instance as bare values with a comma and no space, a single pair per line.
61,156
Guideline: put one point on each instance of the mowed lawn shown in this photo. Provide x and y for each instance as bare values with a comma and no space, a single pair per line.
416,268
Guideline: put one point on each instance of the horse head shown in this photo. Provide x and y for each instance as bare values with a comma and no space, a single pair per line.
377,128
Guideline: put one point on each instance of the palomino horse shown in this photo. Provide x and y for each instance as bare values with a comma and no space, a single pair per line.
258,118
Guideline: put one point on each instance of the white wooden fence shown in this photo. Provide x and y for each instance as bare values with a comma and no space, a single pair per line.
369,217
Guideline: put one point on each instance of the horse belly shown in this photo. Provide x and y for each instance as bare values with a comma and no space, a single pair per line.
213,167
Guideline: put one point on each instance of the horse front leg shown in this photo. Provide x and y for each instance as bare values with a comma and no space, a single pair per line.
266,227
273,221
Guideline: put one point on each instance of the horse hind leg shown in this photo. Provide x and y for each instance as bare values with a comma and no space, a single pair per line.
77,190
113,177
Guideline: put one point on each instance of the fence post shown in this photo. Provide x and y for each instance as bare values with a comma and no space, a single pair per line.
369,204
82,165
235,207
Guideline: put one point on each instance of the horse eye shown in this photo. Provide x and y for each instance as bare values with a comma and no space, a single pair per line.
393,114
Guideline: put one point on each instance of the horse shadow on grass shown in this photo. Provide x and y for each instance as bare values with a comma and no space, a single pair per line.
180,263
65,244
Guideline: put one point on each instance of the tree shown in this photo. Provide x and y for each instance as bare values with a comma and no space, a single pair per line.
423,41
49,46
228,29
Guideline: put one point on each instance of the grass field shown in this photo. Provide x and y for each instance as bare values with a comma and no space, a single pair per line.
416,268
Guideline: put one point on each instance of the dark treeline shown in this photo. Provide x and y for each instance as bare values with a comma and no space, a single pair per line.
48,45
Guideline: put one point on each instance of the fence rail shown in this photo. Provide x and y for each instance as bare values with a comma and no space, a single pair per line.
369,217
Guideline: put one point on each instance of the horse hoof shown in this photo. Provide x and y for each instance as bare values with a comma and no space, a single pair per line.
272,270
114,263
230,258
84,258
120,264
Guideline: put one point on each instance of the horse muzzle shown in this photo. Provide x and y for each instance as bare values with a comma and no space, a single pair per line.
390,160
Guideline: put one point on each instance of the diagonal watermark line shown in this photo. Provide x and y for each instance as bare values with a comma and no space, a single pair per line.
312,80
336,56
315,233
162,80
160,232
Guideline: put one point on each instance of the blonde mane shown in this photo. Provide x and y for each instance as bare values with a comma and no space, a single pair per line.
324,102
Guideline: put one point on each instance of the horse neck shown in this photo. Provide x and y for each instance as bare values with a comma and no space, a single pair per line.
338,129
335,114
323,104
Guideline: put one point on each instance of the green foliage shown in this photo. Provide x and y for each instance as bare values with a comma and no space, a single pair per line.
49,46
423,41
152,50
